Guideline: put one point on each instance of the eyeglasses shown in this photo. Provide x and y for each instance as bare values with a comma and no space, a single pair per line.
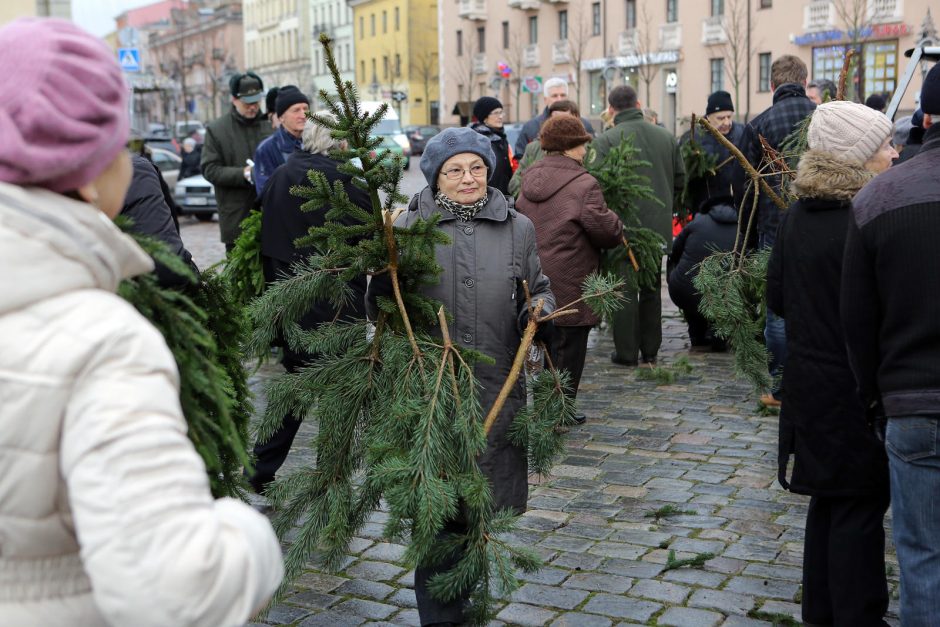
496,112
455,174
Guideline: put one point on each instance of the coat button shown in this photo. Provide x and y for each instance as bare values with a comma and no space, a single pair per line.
468,282
467,338
468,230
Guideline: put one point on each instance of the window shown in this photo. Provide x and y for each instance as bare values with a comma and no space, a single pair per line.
562,25
718,8
384,22
763,71
672,11
397,65
374,74
397,20
481,39
533,29
766,4
460,43
505,35
596,18
372,24
717,74
362,27
385,67
631,13
880,68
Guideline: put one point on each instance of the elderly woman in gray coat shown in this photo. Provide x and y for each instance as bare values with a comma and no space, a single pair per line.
491,251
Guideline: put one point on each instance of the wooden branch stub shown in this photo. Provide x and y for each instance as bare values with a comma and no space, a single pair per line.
844,74
633,262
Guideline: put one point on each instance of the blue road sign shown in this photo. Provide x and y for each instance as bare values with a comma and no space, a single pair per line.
129,58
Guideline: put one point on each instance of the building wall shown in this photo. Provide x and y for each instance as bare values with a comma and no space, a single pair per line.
670,63
12,9
335,18
396,53
277,42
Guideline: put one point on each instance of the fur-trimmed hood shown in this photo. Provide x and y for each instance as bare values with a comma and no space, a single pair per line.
823,175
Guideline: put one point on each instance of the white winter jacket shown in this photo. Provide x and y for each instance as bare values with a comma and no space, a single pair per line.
105,512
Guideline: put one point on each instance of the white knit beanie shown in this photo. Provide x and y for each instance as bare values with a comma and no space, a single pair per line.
848,130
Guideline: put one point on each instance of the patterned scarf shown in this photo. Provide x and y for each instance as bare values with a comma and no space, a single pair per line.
464,213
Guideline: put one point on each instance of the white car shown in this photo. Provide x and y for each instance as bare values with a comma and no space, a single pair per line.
196,196
168,162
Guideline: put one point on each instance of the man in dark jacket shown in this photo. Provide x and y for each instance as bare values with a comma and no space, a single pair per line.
146,205
230,144
790,106
729,175
291,107
915,138
713,230
282,222
192,159
555,89
891,317
637,327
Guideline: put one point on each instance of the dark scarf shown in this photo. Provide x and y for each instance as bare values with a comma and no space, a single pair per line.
465,213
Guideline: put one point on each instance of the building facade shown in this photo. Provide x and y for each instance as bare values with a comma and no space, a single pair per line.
278,39
335,18
12,9
675,52
198,51
396,56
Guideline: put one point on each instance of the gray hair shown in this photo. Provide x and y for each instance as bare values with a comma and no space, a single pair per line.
316,139
554,82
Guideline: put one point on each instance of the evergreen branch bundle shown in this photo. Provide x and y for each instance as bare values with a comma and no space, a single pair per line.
203,329
699,164
624,188
242,270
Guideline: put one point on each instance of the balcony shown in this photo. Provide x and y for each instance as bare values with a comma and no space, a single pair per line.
713,30
525,5
628,42
561,52
884,11
670,36
557,1
819,15
479,63
472,9
530,56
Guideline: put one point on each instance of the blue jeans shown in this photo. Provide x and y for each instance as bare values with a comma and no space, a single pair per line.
913,444
775,332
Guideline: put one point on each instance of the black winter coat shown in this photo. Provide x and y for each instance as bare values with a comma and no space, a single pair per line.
709,232
730,177
822,421
502,173
282,222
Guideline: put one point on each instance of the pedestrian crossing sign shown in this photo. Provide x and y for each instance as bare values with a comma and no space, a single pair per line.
129,58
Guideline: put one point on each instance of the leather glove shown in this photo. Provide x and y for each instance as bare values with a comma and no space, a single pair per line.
545,332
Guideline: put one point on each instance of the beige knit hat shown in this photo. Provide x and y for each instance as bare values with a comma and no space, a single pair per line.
848,130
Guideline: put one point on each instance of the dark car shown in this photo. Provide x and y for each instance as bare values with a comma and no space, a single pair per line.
418,136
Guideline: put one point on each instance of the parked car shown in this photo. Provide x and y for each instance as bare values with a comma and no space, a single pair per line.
184,129
168,162
418,136
394,148
196,197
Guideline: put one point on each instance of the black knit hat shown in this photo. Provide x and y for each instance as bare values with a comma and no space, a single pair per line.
930,92
270,101
483,107
288,96
561,133
719,101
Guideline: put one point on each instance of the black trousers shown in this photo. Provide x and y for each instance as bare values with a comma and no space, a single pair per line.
430,610
271,453
844,582
568,350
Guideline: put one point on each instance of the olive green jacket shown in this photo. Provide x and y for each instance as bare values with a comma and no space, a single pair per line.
533,153
666,174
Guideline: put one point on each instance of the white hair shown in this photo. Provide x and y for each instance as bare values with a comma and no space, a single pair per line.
316,139
554,82
189,142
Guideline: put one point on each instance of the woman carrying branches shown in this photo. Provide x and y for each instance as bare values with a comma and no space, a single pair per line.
838,460
489,261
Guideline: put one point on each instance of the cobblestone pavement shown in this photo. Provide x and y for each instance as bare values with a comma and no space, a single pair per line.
699,445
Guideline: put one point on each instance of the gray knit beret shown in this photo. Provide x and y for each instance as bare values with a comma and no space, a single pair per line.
454,141
849,130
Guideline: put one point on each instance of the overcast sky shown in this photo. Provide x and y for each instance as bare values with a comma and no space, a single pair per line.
97,16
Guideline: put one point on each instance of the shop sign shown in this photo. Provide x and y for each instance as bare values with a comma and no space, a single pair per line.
881,31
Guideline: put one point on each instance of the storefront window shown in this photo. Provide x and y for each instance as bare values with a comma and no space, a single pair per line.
880,67
598,92
827,62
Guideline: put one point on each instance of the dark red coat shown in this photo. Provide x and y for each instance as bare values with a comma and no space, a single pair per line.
572,225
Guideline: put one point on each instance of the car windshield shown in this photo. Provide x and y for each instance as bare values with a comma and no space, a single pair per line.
388,127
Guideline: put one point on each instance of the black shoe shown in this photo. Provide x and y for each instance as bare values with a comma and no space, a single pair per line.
621,362
651,361
580,419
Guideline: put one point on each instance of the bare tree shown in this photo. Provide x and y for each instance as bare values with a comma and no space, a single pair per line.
463,70
644,50
514,57
424,67
856,18
738,47
578,35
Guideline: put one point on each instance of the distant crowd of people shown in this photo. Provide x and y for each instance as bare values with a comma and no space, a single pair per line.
105,511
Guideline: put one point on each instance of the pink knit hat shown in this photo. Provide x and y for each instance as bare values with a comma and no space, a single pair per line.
63,105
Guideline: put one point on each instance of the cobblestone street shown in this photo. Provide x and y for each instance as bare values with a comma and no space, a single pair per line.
687,467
